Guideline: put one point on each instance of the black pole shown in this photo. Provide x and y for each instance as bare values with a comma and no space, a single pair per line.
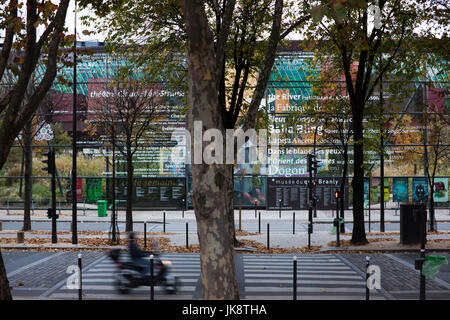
183,207
259,222
367,278
338,228
419,262
187,233
295,278
422,277
268,237
21,173
256,202
74,137
293,223
309,235
164,221
145,234
152,288
80,278
54,235
381,160
279,201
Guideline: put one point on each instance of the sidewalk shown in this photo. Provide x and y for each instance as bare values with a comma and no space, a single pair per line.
279,241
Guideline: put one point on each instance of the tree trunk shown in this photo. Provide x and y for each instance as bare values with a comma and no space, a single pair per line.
130,176
27,133
5,293
431,201
359,233
210,181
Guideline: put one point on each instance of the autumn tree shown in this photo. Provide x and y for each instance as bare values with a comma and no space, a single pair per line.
128,112
23,49
367,42
228,43
436,148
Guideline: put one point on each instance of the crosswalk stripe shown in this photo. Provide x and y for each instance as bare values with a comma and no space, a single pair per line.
103,296
315,281
291,264
312,297
113,288
303,276
304,289
298,267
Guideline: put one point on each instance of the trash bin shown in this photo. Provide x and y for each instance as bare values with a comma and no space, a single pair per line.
101,205
413,219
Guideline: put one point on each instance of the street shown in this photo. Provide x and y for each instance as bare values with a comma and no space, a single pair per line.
43,275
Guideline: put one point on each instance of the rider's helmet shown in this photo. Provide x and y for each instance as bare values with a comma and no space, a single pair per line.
131,235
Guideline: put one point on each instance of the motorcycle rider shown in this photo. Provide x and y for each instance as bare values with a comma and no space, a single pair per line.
137,255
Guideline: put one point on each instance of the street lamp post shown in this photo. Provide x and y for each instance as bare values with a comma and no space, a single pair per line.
74,136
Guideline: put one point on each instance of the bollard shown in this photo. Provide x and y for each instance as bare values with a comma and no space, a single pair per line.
145,234
187,233
20,236
268,231
164,222
152,284
309,234
422,277
293,223
367,277
295,278
80,278
279,202
259,222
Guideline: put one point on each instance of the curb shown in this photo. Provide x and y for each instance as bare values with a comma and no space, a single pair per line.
379,250
153,221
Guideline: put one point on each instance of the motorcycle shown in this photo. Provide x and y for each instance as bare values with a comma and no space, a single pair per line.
129,274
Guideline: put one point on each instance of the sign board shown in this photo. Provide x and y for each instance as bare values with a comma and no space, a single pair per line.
293,193
440,190
400,190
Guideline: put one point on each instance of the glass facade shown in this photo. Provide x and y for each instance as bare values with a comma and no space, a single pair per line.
161,182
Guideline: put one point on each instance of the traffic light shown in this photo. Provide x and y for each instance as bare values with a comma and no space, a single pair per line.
336,194
312,163
50,161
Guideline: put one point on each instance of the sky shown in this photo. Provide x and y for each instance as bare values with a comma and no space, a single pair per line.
70,22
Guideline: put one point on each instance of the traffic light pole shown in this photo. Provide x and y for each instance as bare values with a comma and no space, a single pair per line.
54,236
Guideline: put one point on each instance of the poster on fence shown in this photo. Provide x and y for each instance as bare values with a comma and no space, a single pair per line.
440,190
375,195
79,190
400,190
93,189
366,189
419,189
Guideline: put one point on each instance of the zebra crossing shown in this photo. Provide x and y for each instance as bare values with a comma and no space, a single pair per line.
98,281
261,277
319,277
